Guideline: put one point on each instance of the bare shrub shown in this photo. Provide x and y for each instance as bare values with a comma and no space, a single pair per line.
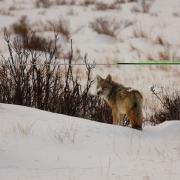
43,3
35,79
142,6
109,26
170,109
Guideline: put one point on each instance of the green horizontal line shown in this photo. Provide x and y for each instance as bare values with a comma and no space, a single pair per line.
150,63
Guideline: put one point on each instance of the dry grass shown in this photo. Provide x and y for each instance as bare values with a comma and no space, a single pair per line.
160,40
139,32
164,55
109,26
150,57
23,128
65,133
176,13
87,2
132,47
142,6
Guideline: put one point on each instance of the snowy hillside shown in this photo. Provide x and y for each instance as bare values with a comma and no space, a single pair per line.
41,145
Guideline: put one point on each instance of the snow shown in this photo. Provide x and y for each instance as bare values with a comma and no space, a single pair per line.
42,145
89,150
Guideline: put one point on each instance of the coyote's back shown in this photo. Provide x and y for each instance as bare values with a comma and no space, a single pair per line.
122,100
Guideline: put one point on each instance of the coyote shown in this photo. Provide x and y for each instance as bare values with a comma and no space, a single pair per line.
122,100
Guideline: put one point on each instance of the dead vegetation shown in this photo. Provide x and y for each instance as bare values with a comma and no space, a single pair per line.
109,26
23,26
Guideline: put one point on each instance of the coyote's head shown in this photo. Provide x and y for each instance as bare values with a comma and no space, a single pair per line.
103,85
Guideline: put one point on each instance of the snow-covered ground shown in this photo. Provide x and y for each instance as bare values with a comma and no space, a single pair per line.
39,145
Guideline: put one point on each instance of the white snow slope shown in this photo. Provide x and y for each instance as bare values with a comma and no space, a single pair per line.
41,145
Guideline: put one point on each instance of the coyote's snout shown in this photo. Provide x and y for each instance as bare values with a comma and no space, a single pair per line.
122,100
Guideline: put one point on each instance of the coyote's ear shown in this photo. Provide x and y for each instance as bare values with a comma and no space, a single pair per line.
108,78
98,77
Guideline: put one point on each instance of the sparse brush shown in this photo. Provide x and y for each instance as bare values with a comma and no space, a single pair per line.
109,26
